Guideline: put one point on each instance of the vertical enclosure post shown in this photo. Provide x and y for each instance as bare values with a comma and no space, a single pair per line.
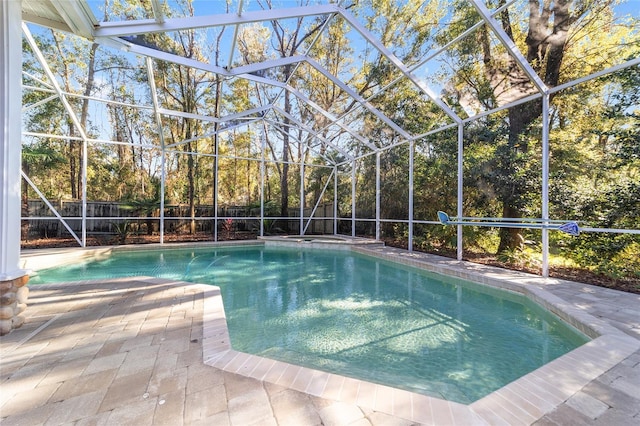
353,198
163,154
302,196
412,145
163,173
263,147
83,166
12,278
335,200
378,196
215,186
460,183
545,183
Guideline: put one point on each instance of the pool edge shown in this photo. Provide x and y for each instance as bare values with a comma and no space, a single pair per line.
522,401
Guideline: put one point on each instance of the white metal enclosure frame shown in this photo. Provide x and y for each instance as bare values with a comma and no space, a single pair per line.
77,17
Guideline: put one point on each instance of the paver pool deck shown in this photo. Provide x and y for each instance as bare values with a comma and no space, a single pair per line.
150,351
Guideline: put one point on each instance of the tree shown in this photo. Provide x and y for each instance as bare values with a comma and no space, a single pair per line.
289,40
188,90
553,34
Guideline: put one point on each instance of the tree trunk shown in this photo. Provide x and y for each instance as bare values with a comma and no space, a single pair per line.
545,52
191,189
73,168
91,69
284,176
510,238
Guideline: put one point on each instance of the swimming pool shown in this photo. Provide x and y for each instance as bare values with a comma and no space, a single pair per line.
359,316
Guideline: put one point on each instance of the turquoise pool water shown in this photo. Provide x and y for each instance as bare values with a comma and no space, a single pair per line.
359,316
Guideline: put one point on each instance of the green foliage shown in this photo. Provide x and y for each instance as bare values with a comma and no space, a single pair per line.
615,256
524,256
123,230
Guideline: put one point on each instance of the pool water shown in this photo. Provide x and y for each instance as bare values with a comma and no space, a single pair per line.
358,316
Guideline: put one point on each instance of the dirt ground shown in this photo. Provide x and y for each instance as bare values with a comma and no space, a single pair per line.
629,284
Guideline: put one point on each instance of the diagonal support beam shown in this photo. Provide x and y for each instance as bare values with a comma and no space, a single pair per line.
160,129
51,207
246,71
398,64
311,131
366,104
217,132
278,126
313,212
331,117
510,46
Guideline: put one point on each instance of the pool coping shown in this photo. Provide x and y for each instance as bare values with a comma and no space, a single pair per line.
520,402
334,242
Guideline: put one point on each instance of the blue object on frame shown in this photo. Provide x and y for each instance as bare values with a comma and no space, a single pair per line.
570,228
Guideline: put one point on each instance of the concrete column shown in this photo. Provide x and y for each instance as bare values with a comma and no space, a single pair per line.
13,290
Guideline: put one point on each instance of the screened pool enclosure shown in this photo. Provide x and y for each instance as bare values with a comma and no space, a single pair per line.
169,118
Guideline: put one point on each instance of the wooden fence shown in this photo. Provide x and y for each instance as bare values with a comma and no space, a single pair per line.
107,217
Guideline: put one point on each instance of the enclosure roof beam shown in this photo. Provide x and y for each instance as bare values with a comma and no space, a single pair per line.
208,118
257,110
234,39
443,48
434,131
311,131
249,72
145,51
194,63
510,46
555,89
169,57
331,117
535,95
124,28
358,98
461,36
278,126
310,46
216,132
156,7
398,64
261,66
415,139
597,74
